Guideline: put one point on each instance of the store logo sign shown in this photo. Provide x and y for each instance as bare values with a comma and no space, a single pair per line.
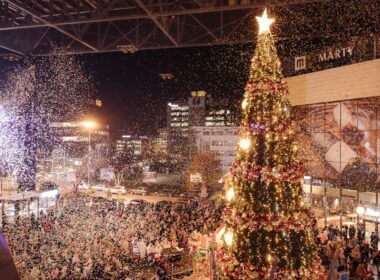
372,212
330,55
300,63
335,54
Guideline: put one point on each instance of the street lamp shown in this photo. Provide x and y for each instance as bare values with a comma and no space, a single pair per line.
360,210
89,125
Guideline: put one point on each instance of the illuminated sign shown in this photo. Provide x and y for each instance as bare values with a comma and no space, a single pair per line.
300,62
372,213
198,93
335,54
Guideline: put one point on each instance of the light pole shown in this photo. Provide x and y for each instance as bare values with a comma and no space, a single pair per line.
360,210
89,125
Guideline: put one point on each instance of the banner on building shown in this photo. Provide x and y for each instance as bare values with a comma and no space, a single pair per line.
196,178
149,177
71,176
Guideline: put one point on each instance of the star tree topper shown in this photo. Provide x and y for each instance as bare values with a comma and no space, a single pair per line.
264,22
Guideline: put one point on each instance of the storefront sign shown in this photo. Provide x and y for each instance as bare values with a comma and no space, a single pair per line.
335,54
300,62
372,213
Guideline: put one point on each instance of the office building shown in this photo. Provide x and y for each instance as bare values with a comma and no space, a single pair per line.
222,140
220,117
160,145
180,116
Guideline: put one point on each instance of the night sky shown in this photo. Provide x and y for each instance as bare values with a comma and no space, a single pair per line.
135,97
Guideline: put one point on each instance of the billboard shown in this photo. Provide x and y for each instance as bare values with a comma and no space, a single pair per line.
106,174
149,177
341,142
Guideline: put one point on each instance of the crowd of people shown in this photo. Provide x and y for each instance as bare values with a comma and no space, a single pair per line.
347,251
88,238
96,238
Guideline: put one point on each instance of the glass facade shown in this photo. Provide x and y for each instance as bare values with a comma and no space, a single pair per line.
341,150
341,143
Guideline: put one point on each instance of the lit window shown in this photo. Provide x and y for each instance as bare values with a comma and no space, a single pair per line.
64,124
216,143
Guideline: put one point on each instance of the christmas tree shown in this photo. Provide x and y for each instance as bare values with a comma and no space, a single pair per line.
267,226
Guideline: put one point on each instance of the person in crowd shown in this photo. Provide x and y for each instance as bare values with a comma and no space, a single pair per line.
362,272
374,264
361,235
351,232
345,251
374,240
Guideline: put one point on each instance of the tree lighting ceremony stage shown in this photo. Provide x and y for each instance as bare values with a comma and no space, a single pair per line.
195,139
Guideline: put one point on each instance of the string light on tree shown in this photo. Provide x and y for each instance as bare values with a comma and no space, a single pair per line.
269,258
244,104
228,238
245,143
230,194
267,225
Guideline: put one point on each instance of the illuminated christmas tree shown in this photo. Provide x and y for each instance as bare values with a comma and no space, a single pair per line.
267,226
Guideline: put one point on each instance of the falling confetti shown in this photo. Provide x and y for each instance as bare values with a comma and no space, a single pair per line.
34,95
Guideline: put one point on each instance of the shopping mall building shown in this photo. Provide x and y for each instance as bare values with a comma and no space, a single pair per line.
338,114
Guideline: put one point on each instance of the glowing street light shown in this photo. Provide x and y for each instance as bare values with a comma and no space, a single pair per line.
89,124
360,210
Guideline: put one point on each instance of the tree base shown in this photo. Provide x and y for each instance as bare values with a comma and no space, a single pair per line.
232,269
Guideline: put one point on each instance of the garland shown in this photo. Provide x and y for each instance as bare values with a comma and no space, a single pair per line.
262,126
250,171
256,88
268,222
